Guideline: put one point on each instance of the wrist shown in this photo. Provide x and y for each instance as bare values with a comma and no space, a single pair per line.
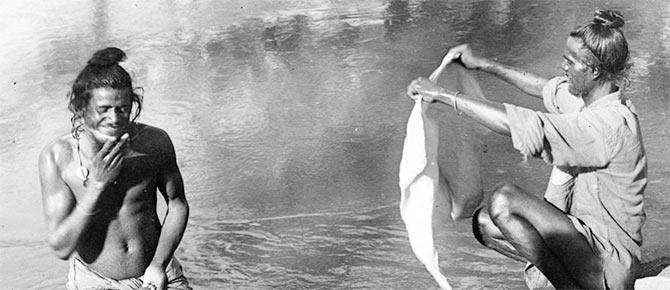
159,264
95,187
485,64
452,97
86,210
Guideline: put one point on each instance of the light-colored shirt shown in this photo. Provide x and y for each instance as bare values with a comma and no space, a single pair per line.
601,145
558,100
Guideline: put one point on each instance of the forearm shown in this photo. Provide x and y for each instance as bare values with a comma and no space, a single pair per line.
173,229
490,114
64,236
527,82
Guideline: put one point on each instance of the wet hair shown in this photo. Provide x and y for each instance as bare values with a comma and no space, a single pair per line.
608,46
101,71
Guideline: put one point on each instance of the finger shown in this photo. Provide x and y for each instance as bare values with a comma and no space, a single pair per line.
460,48
412,86
445,61
411,93
117,161
117,148
106,148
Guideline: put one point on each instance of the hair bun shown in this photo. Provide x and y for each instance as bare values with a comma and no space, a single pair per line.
106,57
608,18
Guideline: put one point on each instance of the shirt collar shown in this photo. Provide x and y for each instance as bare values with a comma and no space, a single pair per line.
608,100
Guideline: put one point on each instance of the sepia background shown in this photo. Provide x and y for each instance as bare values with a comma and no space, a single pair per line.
288,119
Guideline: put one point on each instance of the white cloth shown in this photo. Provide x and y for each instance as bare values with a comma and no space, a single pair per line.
421,180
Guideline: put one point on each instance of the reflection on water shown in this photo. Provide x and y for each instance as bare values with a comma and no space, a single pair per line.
288,125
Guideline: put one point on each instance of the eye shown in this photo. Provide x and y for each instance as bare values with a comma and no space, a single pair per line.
567,60
103,109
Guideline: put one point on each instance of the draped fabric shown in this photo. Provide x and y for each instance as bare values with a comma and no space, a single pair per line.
440,169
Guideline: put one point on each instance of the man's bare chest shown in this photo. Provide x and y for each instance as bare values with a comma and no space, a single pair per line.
135,183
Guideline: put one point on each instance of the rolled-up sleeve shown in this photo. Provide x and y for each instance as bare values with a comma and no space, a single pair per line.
570,139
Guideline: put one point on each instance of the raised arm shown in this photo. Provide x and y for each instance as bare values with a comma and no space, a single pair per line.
489,113
171,186
527,82
66,217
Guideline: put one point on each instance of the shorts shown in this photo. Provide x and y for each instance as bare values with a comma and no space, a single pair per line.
619,264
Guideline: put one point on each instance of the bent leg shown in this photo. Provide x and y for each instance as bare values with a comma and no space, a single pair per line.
488,234
518,224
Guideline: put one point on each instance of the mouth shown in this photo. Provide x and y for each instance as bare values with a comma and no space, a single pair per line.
113,129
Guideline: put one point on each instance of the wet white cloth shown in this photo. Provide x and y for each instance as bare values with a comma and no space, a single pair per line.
425,177
419,182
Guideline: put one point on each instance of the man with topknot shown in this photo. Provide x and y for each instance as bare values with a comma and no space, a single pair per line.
99,187
587,231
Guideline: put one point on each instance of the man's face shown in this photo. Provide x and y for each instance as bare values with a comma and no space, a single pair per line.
580,76
108,113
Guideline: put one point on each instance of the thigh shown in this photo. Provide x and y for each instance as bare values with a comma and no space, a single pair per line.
556,229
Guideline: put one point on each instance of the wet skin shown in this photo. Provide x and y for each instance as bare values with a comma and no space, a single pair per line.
110,220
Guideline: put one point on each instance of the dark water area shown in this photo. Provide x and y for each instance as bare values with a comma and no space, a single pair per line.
288,119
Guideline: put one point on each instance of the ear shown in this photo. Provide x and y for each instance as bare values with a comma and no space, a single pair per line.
81,113
595,72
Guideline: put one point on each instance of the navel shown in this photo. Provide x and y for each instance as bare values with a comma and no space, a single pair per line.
124,247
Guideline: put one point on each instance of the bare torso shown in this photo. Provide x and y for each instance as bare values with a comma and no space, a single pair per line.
122,238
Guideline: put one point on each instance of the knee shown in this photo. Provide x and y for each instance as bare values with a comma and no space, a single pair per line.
483,228
479,225
503,200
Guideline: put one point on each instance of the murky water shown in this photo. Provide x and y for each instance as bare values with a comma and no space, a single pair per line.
287,118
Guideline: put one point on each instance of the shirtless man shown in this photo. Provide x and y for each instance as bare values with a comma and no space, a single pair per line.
99,186
590,237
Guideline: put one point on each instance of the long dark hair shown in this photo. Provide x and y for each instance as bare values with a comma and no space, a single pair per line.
608,46
102,71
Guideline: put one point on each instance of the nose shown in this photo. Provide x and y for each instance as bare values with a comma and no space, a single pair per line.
115,115
564,65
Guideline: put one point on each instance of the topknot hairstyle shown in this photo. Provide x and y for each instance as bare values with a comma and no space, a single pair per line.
102,71
607,45
107,57
608,18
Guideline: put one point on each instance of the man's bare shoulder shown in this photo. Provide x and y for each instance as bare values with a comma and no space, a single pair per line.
151,137
59,150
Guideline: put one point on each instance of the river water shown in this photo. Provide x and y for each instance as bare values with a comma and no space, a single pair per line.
288,119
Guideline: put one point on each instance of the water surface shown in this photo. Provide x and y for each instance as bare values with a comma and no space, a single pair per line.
288,119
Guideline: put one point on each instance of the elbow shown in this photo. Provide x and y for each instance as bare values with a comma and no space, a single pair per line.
60,251
186,209
63,255
465,209
460,214
179,206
